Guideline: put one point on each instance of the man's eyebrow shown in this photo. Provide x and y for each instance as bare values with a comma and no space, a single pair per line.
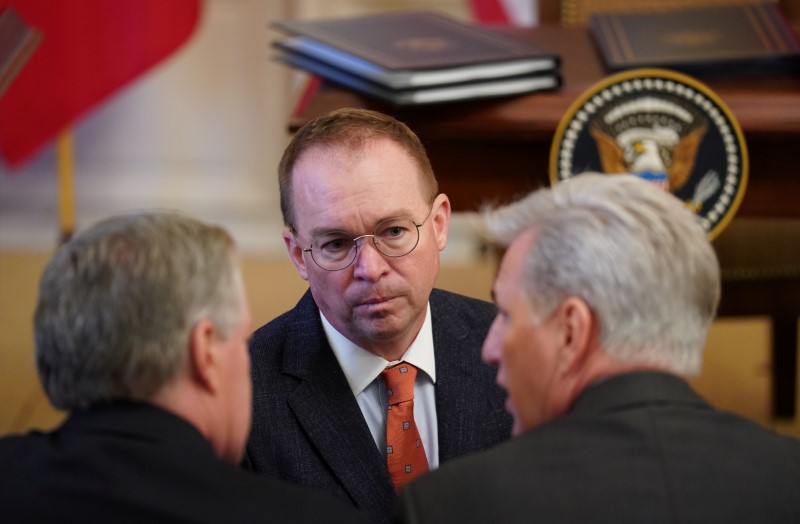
326,230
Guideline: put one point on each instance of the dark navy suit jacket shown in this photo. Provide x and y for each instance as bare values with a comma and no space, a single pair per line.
308,428
134,463
636,448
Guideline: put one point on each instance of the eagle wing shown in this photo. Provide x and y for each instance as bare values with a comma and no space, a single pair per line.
683,157
611,155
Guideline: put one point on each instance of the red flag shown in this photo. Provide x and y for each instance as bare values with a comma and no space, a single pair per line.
489,12
89,50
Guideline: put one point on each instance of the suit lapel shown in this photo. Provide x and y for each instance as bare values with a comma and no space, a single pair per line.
461,404
329,414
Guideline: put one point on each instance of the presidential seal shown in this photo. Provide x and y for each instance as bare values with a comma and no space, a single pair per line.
665,127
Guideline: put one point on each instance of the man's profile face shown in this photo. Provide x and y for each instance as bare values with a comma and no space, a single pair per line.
377,301
523,346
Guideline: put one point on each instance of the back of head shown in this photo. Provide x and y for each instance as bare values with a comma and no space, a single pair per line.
117,303
633,252
350,129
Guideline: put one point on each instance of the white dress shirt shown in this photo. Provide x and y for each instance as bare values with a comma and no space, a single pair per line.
363,370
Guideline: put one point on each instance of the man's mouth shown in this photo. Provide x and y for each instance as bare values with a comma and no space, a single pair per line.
374,302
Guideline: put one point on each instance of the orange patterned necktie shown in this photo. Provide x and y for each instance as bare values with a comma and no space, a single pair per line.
405,454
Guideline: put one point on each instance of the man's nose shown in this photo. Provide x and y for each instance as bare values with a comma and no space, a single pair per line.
370,263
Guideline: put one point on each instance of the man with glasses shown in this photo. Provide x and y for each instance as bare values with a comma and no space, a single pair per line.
365,226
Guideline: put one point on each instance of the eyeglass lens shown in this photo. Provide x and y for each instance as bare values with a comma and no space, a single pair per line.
394,237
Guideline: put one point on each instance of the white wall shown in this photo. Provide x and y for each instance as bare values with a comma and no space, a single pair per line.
202,132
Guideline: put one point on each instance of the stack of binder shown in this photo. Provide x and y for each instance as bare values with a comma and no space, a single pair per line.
416,57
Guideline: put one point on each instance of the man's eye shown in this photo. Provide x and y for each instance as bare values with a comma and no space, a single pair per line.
393,232
336,244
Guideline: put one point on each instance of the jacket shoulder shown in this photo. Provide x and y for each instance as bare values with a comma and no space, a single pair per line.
303,318
453,304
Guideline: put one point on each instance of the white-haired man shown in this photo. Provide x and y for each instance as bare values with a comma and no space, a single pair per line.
604,298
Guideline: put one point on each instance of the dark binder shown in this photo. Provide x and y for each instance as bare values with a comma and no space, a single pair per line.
413,49
429,94
736,40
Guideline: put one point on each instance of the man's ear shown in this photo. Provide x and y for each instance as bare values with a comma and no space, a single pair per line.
296,253
440,214
577,324
203,356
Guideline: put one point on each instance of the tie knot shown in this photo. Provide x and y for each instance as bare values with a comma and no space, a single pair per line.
399,382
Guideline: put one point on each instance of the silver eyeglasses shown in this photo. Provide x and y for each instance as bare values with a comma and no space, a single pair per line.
393,237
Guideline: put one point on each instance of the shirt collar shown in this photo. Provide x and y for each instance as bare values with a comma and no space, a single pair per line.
362,367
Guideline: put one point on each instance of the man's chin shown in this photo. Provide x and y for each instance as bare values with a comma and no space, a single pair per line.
380,323
380,332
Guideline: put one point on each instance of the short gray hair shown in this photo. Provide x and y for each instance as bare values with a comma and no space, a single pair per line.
632,251
117,304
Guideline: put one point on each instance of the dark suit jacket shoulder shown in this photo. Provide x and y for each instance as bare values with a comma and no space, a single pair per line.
636,448
130,462
309,430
